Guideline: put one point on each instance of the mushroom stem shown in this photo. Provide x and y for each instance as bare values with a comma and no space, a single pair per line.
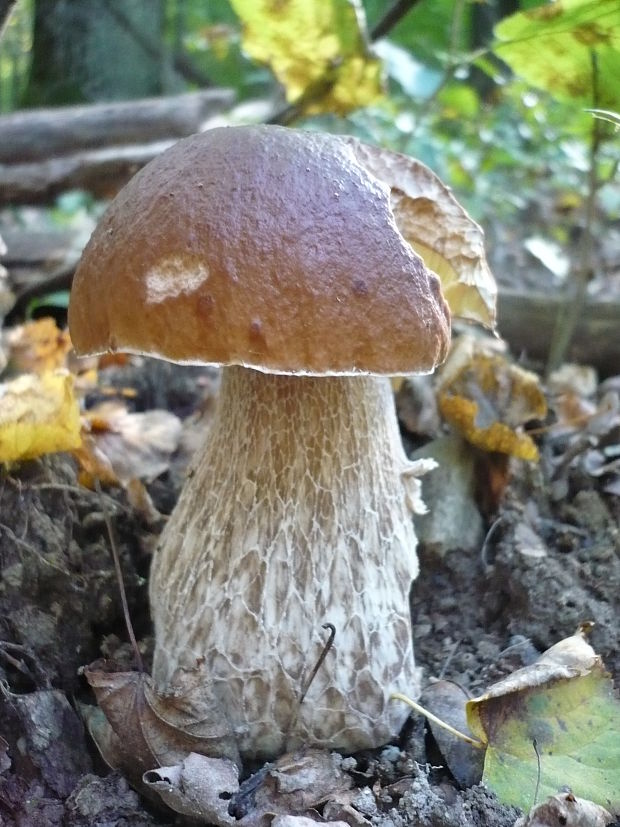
295,515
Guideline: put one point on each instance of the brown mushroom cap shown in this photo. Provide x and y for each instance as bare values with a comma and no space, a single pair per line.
259,246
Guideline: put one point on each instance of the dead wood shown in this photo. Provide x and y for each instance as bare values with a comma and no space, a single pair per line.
41,134
526,321
97,148
102,172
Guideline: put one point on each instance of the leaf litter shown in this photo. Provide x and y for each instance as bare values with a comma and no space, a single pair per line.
161,740
401,793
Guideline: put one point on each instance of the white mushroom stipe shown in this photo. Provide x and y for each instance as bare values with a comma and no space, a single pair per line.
294,515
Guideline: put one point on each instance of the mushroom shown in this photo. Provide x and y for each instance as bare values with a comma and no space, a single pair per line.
276,254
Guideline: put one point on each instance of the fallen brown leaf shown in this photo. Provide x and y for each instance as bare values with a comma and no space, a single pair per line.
136,445
160,728
199,787
567,810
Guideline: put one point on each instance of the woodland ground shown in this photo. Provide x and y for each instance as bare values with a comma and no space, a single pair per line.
477,615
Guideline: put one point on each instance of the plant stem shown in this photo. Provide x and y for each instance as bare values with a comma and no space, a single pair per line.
396,696
577,286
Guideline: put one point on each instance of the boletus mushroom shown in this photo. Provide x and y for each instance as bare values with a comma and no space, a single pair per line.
277,254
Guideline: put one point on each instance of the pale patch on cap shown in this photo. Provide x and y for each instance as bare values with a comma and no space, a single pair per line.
171,278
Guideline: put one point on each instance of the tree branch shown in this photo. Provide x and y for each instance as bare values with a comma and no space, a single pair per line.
392,16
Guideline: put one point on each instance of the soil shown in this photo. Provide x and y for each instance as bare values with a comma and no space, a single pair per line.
477,615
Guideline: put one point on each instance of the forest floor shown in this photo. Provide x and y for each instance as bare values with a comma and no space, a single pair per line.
521,554
546,558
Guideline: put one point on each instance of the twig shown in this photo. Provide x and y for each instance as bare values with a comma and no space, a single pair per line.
37,675
449,660
119,578
32,550
321,658
535,745
312,676
577,289
78,490
392,16
397,696
487,540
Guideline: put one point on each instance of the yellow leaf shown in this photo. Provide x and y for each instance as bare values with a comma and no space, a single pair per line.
462,414
316,48
432,221
38,415
486,398
38,346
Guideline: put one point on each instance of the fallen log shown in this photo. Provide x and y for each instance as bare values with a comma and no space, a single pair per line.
40,134
526,322
101,172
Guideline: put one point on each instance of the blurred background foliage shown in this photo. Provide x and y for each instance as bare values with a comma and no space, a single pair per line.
507,147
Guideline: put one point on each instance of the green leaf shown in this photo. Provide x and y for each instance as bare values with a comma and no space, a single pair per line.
59,299
564,707
459,101
316,48
571,48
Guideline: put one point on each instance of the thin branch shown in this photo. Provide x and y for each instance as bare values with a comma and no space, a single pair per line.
119,578
474,742
577,288
321,658
392,16
324,652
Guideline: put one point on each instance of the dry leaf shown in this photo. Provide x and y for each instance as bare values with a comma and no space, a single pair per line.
208,789
453,520
487,398
94,465
199,787
570,378
305,821
136,445
38,415
430,218
567,810
141,502
160,728
39,346
116,752
447,700
294,784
